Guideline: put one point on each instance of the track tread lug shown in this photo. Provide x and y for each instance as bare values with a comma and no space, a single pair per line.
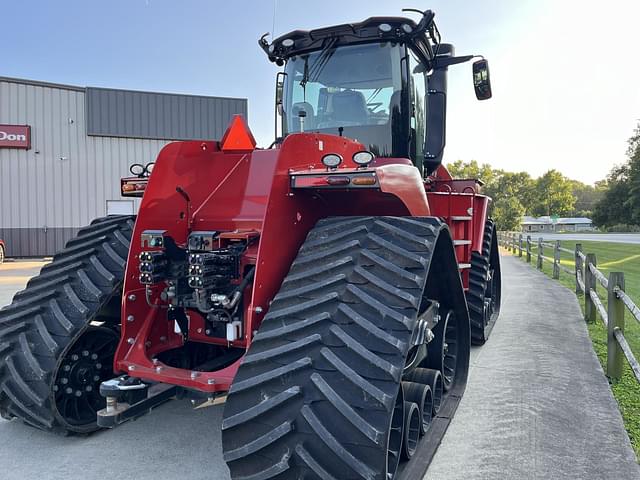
52,312
330,353
330,441
259,443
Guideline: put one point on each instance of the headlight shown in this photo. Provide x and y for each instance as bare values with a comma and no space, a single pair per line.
363,158
331,160
149,167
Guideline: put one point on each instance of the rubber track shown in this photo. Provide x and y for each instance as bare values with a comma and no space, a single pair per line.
478,275
314,395
45,319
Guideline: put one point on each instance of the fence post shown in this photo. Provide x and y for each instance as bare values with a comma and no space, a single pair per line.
615,312
528,248
520,245
578,262
513,242
556,260
540,253
590,282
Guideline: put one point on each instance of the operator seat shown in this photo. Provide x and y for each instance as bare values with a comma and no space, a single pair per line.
395,106
309,120
349,106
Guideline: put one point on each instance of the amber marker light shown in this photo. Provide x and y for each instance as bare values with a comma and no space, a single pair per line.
364,180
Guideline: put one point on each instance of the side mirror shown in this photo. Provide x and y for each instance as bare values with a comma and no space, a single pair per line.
481,79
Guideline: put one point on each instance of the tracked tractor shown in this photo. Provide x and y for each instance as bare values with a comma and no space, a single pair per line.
326,289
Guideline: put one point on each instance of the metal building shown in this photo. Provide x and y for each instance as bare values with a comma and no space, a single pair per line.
63,150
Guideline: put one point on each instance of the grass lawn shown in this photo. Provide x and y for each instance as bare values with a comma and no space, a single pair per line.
610,257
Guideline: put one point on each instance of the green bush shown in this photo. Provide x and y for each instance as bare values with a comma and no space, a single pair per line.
624,228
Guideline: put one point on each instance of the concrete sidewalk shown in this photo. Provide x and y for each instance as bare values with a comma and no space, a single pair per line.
537,405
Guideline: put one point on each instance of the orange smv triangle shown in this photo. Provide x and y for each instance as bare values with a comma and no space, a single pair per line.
238,137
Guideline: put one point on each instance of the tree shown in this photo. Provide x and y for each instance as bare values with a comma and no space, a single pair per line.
507,212
472,169
611,209
587,196
633,179
509,184
620,203
553,195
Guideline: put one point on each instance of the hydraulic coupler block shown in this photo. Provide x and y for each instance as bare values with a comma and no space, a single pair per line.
152,267
213,269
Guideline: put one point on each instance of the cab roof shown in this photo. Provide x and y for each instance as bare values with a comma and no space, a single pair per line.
423,36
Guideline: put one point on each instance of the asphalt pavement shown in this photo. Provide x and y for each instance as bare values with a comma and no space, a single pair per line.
537,406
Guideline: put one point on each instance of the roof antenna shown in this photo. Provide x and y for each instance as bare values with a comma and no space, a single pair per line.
273,27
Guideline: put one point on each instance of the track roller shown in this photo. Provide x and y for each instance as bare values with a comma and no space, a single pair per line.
433,379
421,395
412,429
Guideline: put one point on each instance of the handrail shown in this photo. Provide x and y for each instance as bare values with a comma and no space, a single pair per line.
601,278
626,349
599,306
633,308
587,277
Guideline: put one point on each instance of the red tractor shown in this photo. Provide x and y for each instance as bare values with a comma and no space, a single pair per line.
327,288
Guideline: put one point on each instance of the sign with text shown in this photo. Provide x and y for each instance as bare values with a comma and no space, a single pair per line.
15,136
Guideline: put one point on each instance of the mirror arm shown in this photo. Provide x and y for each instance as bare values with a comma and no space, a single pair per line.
444,62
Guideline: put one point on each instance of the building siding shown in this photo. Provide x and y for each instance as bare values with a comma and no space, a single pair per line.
131,114
65,179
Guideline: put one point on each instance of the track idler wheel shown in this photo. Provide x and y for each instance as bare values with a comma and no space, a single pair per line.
433,379
420,395
445,350
80,372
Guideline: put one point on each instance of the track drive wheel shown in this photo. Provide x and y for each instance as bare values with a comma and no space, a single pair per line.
58,336
483,296
318,395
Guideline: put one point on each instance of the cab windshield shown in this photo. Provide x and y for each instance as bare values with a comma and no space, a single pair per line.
351,90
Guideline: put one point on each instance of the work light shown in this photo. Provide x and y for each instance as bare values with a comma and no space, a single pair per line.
331,160
363,158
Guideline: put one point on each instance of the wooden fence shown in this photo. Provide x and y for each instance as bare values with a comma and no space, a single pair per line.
587,278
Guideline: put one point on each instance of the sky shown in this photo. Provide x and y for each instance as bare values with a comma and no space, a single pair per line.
565,73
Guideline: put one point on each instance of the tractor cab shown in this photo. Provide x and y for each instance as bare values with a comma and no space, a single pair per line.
381,81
